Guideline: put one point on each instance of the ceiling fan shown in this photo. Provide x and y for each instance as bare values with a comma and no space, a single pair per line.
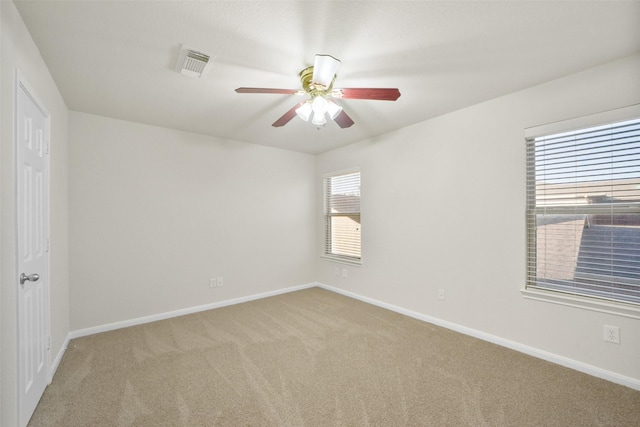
317,82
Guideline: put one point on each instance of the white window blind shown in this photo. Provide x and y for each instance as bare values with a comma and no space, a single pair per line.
583,212
342,229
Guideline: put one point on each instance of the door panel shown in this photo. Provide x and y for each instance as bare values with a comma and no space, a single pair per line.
33,305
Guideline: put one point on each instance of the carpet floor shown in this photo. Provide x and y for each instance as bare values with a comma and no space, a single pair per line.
316,358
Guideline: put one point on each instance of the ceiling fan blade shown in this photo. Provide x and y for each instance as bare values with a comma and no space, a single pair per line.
325,68
267,90
286,117
383,94
343,120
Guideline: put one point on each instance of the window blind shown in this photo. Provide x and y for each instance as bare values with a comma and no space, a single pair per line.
342,216
583,212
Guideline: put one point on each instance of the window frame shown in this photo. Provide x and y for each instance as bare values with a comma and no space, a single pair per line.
326,220
583,301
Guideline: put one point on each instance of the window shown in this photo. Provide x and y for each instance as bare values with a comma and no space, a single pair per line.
342,217
583,211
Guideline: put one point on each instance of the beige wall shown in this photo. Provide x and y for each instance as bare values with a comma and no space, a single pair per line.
156,212
443,207
18,51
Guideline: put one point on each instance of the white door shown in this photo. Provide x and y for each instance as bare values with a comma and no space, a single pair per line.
33,246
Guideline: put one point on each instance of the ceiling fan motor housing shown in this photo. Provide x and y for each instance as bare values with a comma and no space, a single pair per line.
314,89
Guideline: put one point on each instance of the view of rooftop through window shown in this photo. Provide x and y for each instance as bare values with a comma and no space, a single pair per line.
583,196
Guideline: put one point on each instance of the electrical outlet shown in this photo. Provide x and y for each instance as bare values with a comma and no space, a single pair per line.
344,272
212,283
441,294
219,281
612,334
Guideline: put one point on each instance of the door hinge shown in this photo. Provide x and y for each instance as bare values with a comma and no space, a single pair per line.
49,343
47,244
47,146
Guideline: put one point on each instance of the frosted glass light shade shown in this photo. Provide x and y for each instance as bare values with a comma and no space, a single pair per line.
319,105
319,119
304,112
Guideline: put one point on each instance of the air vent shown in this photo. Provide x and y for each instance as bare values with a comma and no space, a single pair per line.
193,63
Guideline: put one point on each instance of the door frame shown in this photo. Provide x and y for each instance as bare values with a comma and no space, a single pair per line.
21,84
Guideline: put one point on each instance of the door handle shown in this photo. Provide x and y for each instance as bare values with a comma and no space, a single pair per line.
32,278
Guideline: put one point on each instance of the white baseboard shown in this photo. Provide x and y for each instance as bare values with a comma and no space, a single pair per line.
167,315
58,359
522,348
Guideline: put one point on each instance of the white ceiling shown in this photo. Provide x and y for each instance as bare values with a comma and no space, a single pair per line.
116,58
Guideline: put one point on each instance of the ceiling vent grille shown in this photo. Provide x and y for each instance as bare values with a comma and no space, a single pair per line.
193,63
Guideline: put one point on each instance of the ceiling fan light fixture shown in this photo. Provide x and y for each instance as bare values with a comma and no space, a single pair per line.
305,111
319,120
319,104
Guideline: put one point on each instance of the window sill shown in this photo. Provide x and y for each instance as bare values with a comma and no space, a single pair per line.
341,260
586,303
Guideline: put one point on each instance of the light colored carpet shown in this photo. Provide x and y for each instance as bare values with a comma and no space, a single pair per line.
316,358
